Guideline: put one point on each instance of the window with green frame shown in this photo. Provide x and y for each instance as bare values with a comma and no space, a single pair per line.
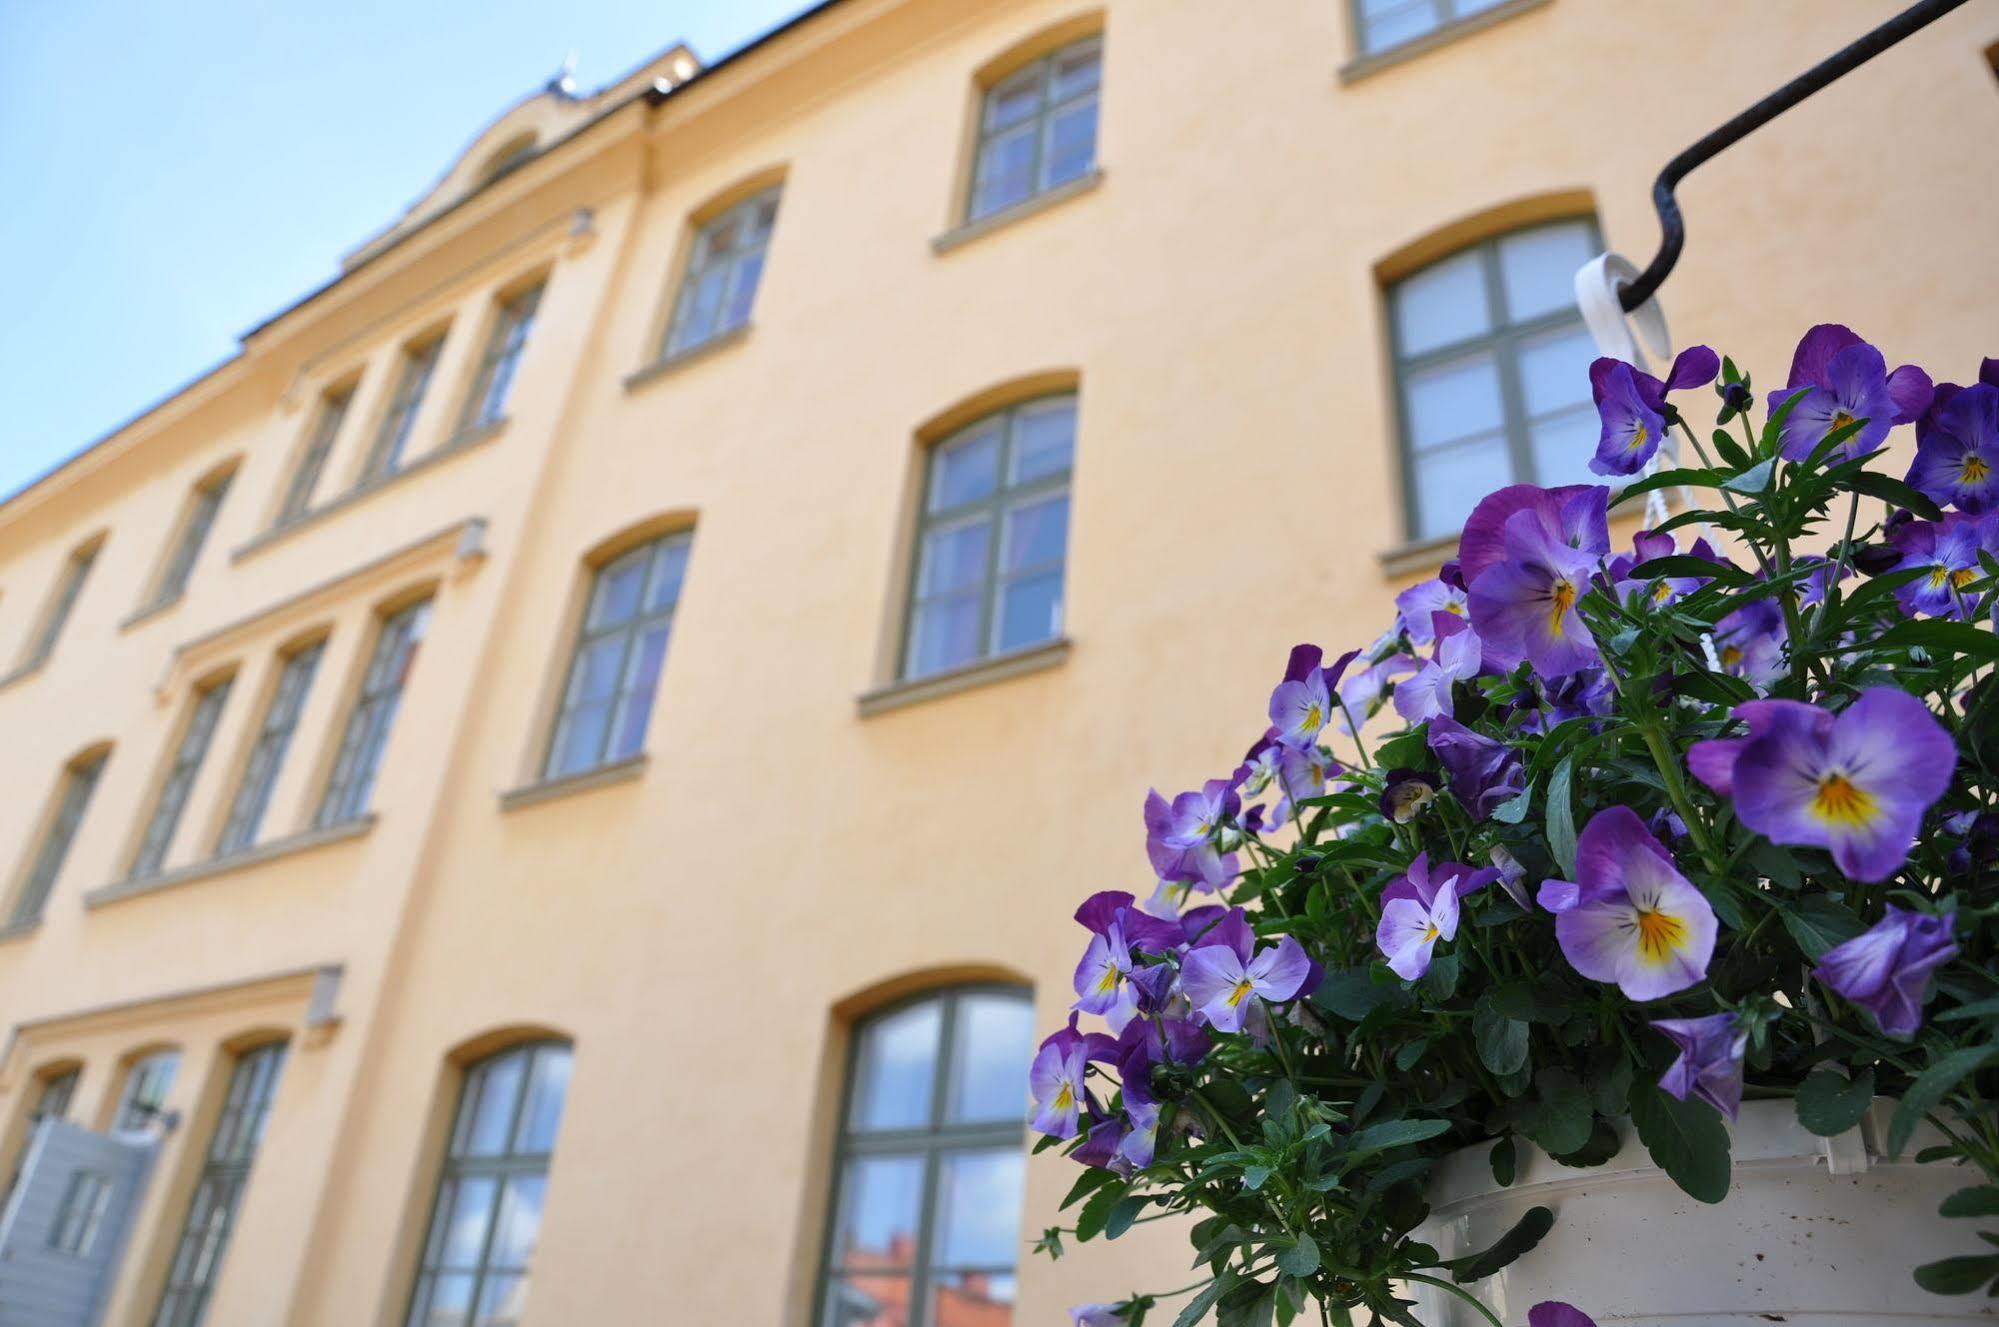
179,783
1037,128
225,1172
267,755
312,457
142,1103
486,402
486,1219
69,588
195,526
614,672
1492,370
79,781
992,538
1385,24
366,738
932,1159
724,269
392,436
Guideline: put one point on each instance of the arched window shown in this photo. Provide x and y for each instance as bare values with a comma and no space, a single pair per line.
1492,360
992,538
724,267
486,1220
1037,128
514,152
143,1100
225,1172
931,1164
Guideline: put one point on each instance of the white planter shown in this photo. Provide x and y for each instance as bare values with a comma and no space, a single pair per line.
1793,1243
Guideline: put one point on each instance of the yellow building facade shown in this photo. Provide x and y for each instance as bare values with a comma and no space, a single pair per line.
548,789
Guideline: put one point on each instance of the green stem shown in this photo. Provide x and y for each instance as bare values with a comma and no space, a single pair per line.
1358,745
1460,1292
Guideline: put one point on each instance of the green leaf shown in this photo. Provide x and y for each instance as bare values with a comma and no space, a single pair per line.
1196,1307
1930,1087
1514,809
1092,1179
1122,1215
1396,1133
1352,994
1686,1139
1533,1226
1817,923
1941,637
1502,1041
1530,1003
1610,1075
1684,477
1753,480
1441,981
1301,1259
1562,817
1562,1115
1978,1200
1411,1052
1958,1276
1829,1104
1895,493
1603,1144
1729,450
1978,1009
1505,1158
1410,750
1090,1221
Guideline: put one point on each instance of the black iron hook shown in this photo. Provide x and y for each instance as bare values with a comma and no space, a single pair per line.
1672,228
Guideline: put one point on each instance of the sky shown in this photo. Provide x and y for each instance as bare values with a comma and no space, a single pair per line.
176,172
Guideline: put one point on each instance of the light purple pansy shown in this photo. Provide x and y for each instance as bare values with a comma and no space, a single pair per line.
1750,642
1417,605
1856,783
1845,380
1948,550
1645,547
1710,1062
1630,917
1457,658
1957,448
1887,968
1420,908
1302,704
1057,1074
1360,695
1118,931
1302,772
1225,974
1484,772
1097,1315
1631,406
1190,838
1531,573
1259,764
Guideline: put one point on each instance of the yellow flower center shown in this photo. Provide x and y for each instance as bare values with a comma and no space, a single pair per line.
1638,436
1065,1098
1315,719
1563,598
1841,803
1975,470
1240,993
1963,576
1659,933
1455,608
1430,932
1108,982
1731,655
1839,421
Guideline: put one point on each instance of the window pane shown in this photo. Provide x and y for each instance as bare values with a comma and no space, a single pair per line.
978,1208
965,469
1538,268
1015,98
701,306
743,294
579,738
1453,400
971,1299
995,1037
501,1300
867,1301
954,558
619,585
598,668
1036,534
879,1201
1030,611
491,1112
1044,441
1072,143
943,634
896,1067
518,1227
1554,369
1563,445
1450,481
450,1303
1387,23
641,683
547,1089
1006,170
471,1213
1441,304
1076,69
669,570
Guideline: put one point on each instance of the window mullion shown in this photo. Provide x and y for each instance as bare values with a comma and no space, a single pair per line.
1501,344
996,513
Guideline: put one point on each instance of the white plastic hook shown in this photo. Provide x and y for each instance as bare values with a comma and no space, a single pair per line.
1618,336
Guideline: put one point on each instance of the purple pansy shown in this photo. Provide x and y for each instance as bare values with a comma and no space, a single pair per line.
1224,975
1630,917
1948,550
1529,577
1420,908
1097,1315
1302,773
1484,772
1302,704
1360,695
1548,1313
1259,764
1631,405
1957,449
1405,793
1710,1063
1512,876
1056,1078
1750,641
1456,659
1856,783
1887,968
1845,379
1192,837
1118,932
1645,547
1417,605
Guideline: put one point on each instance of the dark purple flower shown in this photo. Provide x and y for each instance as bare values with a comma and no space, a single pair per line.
1948,550
1484,772
1587,694
1404,794
1630,917
1548,1313
1457,658
1523,604
1104,983
1845,380
1979,846
1185,838
1417,605
1224,975
1750,642
1632,407
1957,449
1710,1063
1887,968
1302,704
1647,546
1577,516
1856,784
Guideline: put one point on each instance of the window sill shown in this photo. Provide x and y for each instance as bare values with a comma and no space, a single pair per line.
23,673
464,442
263,852
1360,67
1041,202
533,794
150,611
666,365
998,668
20,930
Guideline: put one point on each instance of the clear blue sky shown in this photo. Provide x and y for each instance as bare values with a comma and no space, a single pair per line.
176,171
